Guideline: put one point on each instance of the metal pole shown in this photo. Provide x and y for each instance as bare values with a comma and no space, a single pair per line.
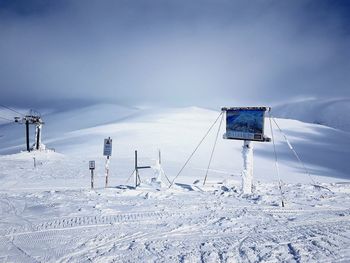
37,137
27,135
136,170
107,171
92,178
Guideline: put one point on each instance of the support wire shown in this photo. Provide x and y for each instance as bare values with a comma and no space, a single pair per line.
276,162
294,152
298,158
212,152
189,158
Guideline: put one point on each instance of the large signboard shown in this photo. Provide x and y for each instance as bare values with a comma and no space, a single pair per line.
245,123
107,148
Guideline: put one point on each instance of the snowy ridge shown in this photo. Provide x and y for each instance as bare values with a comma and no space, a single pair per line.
332,112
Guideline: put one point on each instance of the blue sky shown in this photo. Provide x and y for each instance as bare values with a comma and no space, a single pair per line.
205,53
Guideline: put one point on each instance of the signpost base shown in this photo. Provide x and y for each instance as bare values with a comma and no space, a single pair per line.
247,174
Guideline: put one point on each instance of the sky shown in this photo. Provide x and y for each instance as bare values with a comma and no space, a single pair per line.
207,53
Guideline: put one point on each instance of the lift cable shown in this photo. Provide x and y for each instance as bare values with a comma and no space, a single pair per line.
276,162
189,158
3,118
212,151
6,107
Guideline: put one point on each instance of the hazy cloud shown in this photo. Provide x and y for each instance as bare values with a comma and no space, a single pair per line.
207,53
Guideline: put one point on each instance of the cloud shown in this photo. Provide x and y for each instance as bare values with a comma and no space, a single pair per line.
206,53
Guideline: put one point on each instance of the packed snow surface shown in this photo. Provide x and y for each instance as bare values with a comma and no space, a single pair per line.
50,214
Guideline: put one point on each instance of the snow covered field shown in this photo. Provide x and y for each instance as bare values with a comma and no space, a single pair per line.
49,213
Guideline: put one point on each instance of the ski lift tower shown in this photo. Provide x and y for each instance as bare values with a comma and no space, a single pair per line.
33,118
247,124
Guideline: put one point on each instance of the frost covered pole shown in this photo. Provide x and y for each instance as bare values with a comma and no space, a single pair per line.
247,174
38,136
107,151
136,170
107,171
92,168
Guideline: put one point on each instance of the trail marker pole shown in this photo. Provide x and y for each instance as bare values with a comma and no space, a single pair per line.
92,168
107,151
107,171
136,170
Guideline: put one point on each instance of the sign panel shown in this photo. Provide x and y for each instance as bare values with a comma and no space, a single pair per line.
245,123
91,165
107,148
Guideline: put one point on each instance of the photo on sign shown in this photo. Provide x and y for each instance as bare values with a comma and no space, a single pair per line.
246,124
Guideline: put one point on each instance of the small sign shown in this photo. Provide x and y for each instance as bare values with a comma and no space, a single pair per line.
91,165
107,149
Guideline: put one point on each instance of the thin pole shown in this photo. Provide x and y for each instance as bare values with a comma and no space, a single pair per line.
276,161
92,178
27,135
294,152
136,170
107,171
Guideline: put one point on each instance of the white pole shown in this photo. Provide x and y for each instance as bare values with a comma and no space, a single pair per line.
247,174
107,171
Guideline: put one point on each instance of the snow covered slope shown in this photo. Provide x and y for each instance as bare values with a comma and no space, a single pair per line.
176,132
49,213
330,112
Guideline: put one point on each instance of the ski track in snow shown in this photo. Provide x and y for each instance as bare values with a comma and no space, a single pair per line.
180,232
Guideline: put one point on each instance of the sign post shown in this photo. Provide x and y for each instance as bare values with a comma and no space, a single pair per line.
247,124
107,151
92,168
137,174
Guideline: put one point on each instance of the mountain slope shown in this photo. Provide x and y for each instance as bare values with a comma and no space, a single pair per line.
330,112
